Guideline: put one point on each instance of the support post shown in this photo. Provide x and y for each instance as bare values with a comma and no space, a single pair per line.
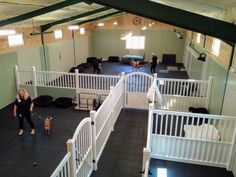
17,77
34,81
232,152
210,81
146,158
150,124
124,82
77,89
71,148
93,132
112,111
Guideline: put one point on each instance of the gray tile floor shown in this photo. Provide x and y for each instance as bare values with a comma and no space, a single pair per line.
122,156
17,154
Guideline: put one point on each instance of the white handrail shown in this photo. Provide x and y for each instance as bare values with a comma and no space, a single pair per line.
63,167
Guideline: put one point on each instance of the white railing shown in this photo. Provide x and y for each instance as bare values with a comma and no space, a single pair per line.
193,138
97,82
107,114
63,169
179,94
25,77
55,79
91,135
136,88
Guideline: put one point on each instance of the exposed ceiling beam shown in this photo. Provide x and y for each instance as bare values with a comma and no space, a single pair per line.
188,20
39,12
99,18
49,25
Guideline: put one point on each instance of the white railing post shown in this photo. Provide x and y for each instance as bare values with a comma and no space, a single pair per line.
155,76
210,81
146,158
124,82
112,111
34,82
77,88
17,77
232,152
93,132
149,129
71,148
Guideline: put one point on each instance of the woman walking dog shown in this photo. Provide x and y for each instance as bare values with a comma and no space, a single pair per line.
23,106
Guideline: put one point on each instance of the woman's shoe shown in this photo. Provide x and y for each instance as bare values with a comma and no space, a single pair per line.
21,132
32,131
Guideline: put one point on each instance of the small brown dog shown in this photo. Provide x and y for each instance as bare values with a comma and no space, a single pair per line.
47,125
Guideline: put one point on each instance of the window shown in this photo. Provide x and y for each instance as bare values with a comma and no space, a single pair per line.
198,39
58,34
216,47
135,42
15,40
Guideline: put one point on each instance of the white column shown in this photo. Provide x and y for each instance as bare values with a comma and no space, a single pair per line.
210,82
94,146
146,158
124,82
77,88
34,83
71,148
17,77
112,121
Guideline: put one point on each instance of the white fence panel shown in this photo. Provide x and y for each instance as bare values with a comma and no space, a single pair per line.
193,138
136,87
180,94
55,79
63,169
83,148
107,115
97,82
25,77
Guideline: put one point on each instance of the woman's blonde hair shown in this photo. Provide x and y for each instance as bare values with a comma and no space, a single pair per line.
25,91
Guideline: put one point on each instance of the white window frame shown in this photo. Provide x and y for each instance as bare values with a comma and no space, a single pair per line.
216,46
135,42
16,40
198,38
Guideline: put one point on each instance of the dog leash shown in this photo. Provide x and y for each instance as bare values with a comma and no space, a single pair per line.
37,115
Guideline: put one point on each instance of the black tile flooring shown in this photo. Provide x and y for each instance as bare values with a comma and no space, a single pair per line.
122,156
117,68
176,169
17,154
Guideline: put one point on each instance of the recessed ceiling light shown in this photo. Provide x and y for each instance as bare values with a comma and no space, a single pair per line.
115,23
73,27
101,24
144,28
150,24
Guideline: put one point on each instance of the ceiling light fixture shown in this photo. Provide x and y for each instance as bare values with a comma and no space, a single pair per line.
126,36
144,28
150,24
115,23
100,24
7,32
73,27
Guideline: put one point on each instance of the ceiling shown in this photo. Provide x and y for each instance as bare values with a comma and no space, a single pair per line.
224,10
47,13
218,9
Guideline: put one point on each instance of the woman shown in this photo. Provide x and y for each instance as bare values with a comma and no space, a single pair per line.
154,62
23,106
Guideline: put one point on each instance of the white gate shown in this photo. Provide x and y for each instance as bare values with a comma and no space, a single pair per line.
136,88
